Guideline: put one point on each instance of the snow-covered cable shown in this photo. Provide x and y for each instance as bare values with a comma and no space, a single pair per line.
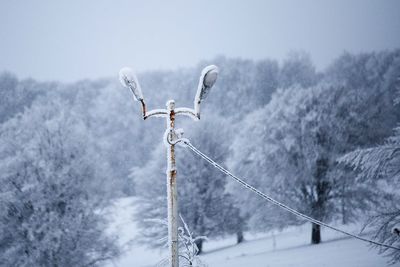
277,203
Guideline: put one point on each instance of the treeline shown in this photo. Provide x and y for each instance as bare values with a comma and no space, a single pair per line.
66,150
287,129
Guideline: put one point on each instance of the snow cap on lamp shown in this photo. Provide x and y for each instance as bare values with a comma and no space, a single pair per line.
129,80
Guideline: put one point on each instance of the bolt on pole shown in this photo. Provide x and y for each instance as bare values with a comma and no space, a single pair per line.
172,136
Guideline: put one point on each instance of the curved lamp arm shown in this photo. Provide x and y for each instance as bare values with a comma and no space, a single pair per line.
187,112
207,79
161,113
129,80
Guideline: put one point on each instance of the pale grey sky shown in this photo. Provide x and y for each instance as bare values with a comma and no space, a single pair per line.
71,40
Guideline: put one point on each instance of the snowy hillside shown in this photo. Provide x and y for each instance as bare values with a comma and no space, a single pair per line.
288,248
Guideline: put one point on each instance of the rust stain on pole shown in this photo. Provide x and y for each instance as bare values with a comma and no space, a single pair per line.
172,149
172,192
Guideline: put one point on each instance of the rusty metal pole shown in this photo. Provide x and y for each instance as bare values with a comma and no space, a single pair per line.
171,137
172,190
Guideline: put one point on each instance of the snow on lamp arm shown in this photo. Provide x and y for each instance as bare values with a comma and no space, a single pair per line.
208,78
129,80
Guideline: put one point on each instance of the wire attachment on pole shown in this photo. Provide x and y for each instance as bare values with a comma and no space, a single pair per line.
174,137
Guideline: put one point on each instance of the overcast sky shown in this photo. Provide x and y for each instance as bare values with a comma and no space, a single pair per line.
71,40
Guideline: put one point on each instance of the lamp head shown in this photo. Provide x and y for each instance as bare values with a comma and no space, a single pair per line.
207,80
129,80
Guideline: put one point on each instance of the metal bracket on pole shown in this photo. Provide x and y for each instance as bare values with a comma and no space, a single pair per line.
174,136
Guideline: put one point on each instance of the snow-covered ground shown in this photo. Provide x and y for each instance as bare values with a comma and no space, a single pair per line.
289,248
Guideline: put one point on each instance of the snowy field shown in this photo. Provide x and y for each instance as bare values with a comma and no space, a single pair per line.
289,248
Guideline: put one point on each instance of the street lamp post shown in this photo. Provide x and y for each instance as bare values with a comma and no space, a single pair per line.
208,78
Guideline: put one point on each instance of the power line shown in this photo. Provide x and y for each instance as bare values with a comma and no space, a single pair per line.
277,203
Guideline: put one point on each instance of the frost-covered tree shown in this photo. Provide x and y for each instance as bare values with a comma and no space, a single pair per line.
121,137
370,80
298,69
369,83
205,206
265,82
289,147
16,95
382,163
242,86
51,192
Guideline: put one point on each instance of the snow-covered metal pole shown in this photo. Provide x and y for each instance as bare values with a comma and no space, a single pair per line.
172,136
172,188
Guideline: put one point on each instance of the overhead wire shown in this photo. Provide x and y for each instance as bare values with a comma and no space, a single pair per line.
187,143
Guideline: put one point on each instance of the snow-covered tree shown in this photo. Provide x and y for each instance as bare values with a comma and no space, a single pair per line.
16,95
370,82
289,147
51,192
121,137
242,86
298,69
265,82
382,163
